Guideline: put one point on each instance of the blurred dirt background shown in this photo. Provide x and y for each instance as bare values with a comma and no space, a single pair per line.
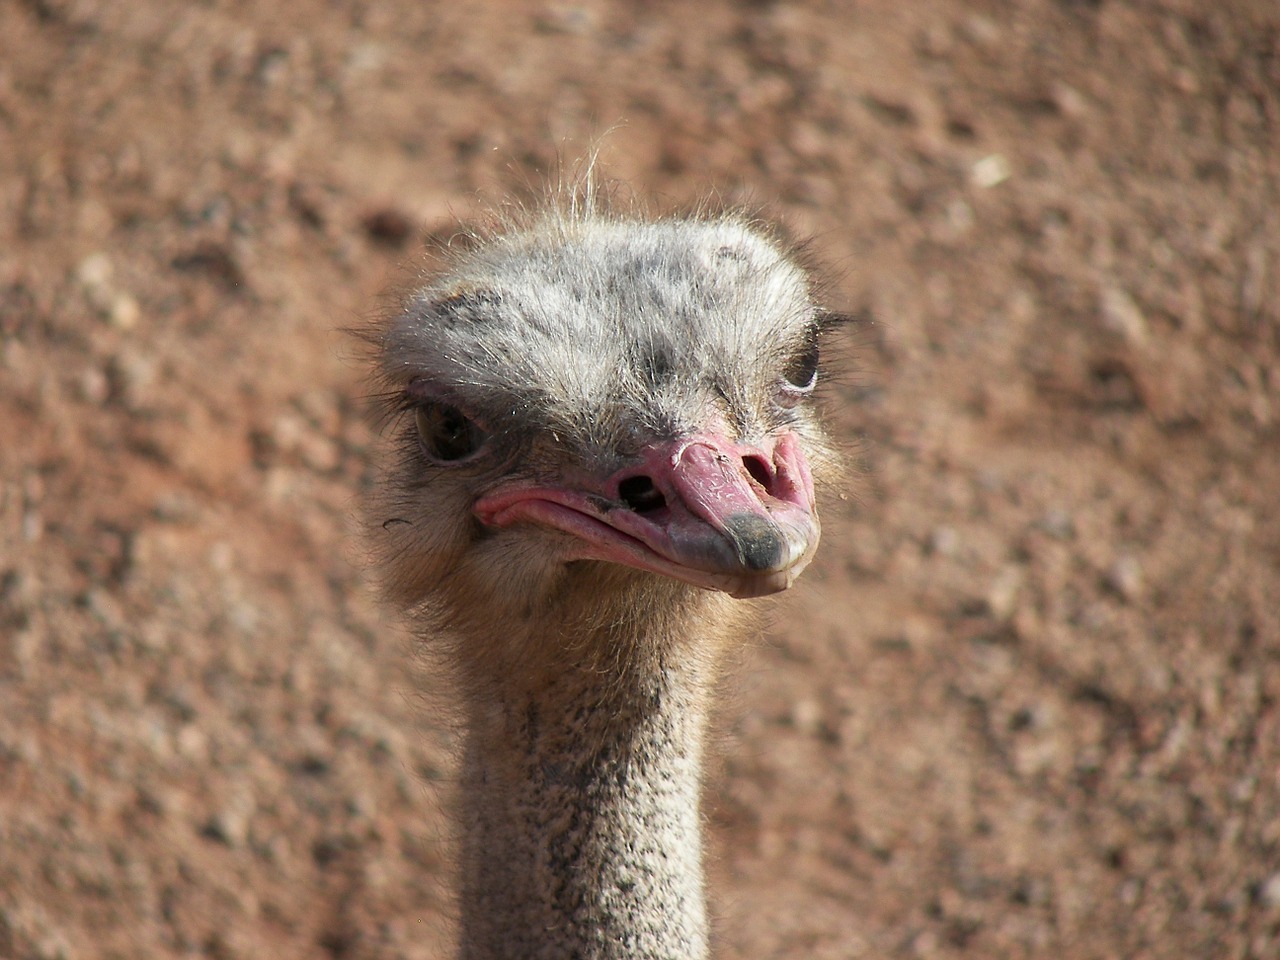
1027,702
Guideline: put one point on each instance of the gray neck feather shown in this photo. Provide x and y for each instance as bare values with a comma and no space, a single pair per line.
581,825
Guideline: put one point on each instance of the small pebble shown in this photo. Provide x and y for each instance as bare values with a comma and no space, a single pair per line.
132,374
1121,315
95,272
1068,100
960,216
1269,892
1058,523
230,825
944,541
93,386
124,312
1125,578
1002,597
991,171
192,743
982,31
806,716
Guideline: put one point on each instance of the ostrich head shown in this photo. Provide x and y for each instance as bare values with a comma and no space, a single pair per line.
602,421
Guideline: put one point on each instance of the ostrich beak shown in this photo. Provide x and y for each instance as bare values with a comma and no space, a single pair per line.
703,509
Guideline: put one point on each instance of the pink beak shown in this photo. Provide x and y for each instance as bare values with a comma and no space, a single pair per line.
703,509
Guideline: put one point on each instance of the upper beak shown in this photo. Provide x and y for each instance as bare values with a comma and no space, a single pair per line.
703,509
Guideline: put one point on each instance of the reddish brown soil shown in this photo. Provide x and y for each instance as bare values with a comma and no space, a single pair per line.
1027,704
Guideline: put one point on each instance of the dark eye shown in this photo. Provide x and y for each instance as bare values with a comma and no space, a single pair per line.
802,371
446,433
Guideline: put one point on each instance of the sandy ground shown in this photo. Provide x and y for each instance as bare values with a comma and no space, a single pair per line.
1025,704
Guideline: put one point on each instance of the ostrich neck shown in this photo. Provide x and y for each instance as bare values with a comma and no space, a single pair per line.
581,824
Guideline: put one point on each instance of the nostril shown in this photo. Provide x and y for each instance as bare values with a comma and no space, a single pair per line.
759,470
641,495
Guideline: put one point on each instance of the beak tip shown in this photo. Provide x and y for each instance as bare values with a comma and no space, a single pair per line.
757,541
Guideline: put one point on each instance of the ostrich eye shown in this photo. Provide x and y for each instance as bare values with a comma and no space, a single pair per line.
446,432
802,371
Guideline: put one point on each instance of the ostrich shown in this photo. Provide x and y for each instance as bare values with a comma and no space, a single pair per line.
605,439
